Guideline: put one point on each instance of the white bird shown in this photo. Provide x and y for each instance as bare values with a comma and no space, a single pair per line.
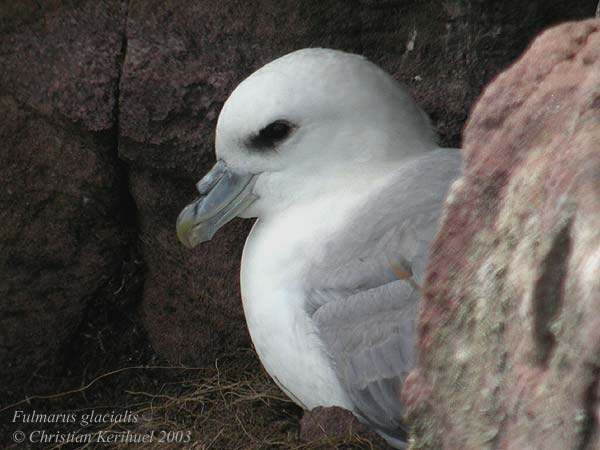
342,171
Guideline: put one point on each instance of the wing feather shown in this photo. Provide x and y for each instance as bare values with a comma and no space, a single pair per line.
366,306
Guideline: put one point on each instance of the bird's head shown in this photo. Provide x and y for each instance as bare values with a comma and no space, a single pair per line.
307,124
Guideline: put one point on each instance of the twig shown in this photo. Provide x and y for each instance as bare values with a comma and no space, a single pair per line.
215,438
91,383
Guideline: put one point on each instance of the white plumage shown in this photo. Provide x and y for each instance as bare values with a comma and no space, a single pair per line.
342,171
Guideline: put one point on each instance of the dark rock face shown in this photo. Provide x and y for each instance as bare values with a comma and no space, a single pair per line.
61,235
510,335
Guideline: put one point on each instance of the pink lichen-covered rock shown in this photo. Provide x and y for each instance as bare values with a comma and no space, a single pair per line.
510,330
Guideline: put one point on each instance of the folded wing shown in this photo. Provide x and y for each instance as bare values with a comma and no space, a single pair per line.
365,308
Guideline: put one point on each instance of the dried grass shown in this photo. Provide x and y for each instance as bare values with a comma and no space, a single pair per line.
232,405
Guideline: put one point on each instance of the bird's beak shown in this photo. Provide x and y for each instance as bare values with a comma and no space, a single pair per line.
223,195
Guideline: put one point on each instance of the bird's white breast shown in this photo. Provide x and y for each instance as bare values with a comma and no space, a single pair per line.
275,259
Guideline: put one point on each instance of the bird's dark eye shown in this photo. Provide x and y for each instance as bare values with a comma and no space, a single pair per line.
271,135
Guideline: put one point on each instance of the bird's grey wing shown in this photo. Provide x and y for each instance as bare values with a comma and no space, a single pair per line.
366,307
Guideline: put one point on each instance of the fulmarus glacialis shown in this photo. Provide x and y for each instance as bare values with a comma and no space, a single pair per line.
341,169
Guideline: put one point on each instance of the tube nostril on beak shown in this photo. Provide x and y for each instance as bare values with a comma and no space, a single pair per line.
196,207
205,185
223,194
